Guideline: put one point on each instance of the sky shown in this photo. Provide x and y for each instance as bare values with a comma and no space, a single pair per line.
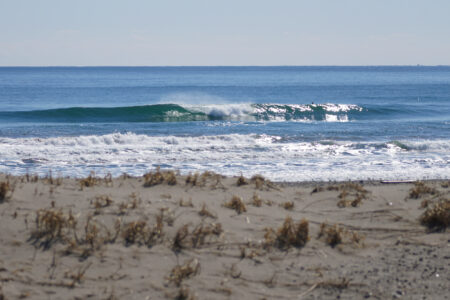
228,32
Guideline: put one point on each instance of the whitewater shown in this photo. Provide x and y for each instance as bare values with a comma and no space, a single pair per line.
286,123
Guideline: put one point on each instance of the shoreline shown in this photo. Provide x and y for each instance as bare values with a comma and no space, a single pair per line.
205,236
103,175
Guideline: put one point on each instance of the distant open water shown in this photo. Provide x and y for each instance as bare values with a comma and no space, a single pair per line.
286,123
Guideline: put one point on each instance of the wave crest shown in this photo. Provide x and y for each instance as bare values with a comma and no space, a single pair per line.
327,112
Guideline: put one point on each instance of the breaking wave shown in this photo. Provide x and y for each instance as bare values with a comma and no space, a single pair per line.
184,113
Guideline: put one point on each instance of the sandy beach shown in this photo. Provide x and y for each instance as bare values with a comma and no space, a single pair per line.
205,236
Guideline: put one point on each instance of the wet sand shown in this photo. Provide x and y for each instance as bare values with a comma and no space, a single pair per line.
211,237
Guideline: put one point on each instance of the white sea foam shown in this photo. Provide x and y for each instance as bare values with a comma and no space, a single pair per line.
228,154
275,112
233,111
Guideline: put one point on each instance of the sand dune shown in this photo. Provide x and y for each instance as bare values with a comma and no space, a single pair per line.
211,237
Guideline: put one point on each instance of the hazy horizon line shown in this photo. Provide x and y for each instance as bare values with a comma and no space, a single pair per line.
209,66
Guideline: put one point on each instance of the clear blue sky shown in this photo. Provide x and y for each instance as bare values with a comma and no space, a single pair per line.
228,32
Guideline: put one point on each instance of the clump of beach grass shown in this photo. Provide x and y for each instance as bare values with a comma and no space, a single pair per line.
200,235
89,181
108,179
132,203
100,202
92,239
256,200
205,212
6,191
30,178
48,179
215,178
420,189
200,180
344,202
241,181
237,204
55,226
335,235
159,177
167,215
351,194
180,236
76,276
288,205
182,272
52,225
319,189
261,182
437,217
258,180
192,179
140,233
290,234
202,231
136,233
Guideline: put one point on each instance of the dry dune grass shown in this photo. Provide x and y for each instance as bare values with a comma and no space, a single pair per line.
288,235
159,177
288,205
132,234
237,204
6,191
256,200
100,202
182,272
132,203
241,181
203,231
335,235
420,189
437,217
193,180
201,180
202,234
49,179
350,193
89,181
140,233
205,212
261,182
52,226
179,240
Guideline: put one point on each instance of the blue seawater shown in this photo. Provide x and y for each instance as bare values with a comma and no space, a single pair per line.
286,123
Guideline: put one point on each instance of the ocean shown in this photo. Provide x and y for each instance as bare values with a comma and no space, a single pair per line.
285,123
